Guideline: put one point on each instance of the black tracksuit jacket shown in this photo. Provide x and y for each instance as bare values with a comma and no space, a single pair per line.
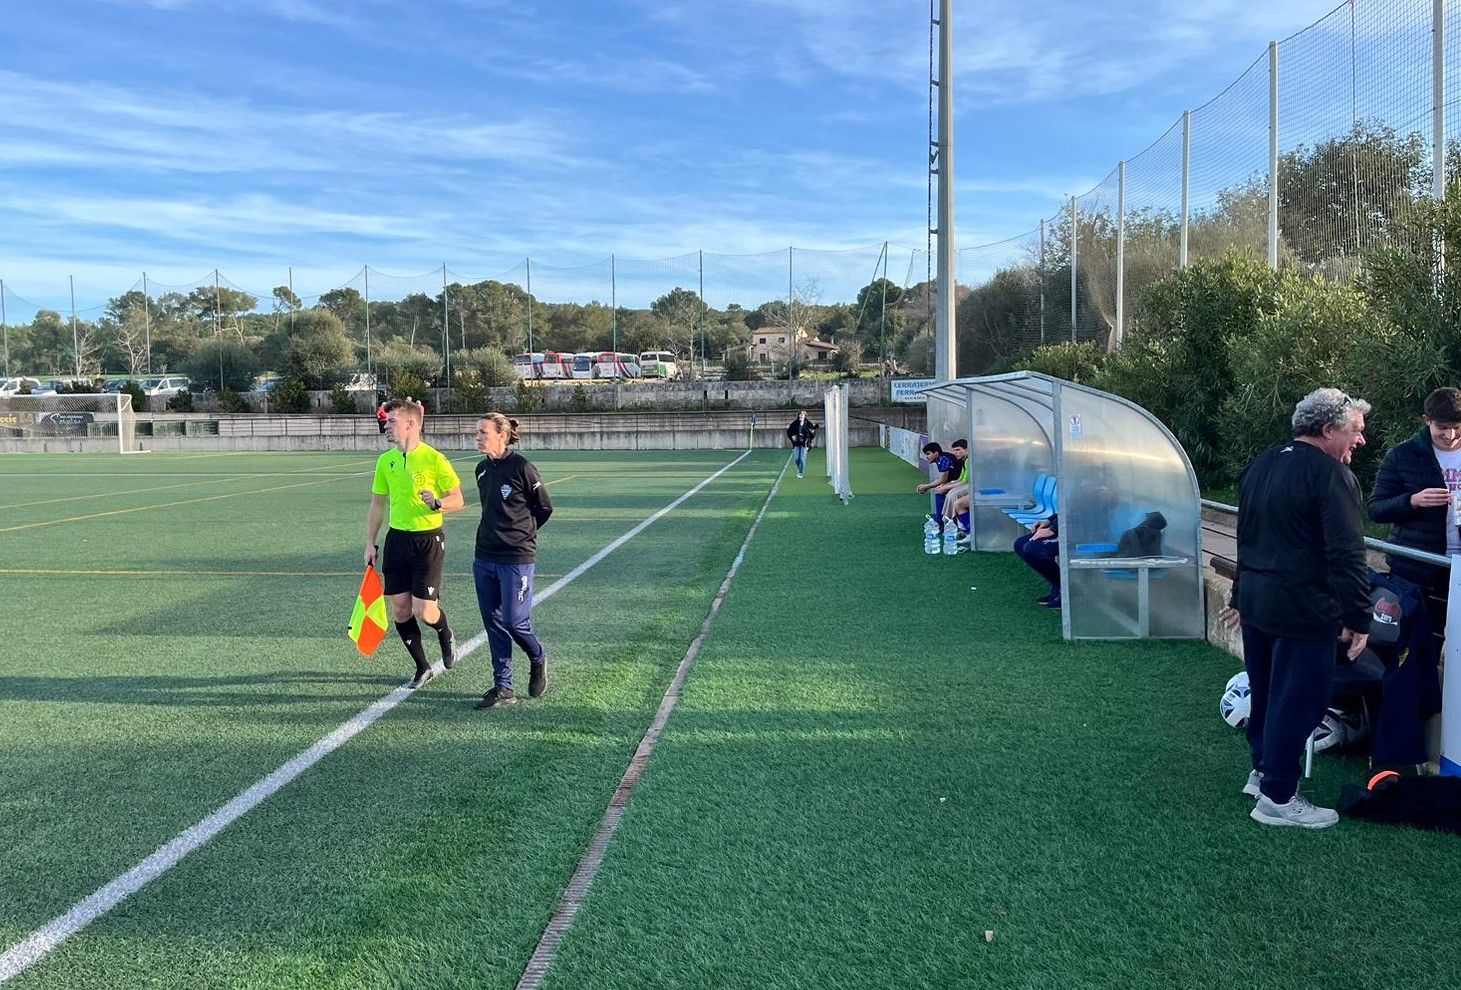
1407,469
1301,546
515,505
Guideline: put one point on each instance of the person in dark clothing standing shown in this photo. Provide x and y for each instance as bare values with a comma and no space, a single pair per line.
515,505
801,432
1302,585
1415,493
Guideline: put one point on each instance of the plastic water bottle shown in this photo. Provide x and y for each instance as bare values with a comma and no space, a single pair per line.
930,535
951,538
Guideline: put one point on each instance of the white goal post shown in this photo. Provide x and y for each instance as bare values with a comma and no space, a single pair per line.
73,422
836,443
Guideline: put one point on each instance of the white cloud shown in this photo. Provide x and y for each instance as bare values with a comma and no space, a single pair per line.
112,126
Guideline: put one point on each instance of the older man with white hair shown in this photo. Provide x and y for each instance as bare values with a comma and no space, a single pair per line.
1302,587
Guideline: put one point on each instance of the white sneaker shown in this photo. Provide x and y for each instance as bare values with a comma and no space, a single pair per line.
1251,788
1298,812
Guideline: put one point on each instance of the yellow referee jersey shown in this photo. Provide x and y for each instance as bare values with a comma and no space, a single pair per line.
404,476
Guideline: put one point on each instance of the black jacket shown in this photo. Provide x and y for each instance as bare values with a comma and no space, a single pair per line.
1408,468
1301,546
515,505
801,432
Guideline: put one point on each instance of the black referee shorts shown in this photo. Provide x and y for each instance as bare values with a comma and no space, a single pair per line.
413,562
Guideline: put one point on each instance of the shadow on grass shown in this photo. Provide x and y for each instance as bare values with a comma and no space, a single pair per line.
167,689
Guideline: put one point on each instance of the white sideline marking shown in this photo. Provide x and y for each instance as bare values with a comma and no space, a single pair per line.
43,940
593,857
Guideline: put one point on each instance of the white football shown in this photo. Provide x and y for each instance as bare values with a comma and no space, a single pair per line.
1236,701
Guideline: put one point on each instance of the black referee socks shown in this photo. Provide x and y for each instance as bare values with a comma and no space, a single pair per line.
411,636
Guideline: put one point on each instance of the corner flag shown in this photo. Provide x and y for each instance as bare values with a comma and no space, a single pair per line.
368,623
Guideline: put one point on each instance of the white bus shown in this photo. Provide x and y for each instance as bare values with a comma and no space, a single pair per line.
616,364
659,364
583,365
528,365
535,365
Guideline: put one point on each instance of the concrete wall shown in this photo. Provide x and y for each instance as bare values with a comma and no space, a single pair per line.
646,394
714,430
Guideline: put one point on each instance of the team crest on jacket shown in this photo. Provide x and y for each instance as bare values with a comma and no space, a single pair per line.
506,490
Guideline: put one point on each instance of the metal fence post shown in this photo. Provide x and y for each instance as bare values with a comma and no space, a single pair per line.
1273,155
1115,343
1186,184
1074,252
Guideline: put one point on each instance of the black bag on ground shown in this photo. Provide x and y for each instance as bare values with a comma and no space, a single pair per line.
1432,803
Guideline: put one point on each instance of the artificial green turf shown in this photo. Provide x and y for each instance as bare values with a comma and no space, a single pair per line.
430,850
880,756
788,832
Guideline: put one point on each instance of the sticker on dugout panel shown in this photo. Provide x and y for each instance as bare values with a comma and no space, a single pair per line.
1077,431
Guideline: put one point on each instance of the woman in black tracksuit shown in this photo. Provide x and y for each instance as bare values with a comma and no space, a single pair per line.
515,505
1414,493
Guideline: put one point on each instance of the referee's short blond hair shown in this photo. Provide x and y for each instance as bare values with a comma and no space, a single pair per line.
409,407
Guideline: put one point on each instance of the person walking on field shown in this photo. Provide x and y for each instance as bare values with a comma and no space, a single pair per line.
414,486
515,505
801,432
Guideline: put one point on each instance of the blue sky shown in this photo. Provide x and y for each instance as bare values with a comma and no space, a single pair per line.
176,136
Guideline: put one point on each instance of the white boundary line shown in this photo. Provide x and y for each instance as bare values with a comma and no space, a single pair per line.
42,941
593,857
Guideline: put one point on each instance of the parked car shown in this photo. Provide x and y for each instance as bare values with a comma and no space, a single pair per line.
360,383
19,385
114,386
166,386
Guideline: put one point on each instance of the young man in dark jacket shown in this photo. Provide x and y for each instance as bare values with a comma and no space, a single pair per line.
1415,491
801,433
1301,585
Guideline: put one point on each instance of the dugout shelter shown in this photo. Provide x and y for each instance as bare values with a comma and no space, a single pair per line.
1039,444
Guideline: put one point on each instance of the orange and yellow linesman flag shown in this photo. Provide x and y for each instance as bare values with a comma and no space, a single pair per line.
368,623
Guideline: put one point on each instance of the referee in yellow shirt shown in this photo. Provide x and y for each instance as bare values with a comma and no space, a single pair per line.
414,485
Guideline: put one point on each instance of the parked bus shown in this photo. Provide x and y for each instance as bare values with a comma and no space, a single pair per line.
528,366
535,365
659,364
612,364
583,365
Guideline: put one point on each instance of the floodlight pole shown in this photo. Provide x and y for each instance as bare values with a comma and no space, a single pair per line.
614,300
147,321
883,318
790,317
291,300
702,315
529,263
75,340
945,345
218,328
445,337
4,328
368,373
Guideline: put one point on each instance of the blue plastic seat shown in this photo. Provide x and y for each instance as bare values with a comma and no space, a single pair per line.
1045,502
1041,480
